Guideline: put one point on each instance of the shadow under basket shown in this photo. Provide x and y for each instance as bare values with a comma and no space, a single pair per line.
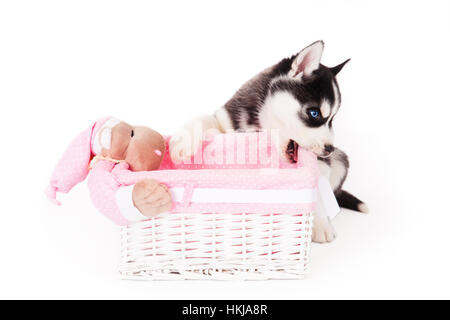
248,220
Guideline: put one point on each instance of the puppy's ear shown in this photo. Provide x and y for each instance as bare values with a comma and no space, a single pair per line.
307,60
338,68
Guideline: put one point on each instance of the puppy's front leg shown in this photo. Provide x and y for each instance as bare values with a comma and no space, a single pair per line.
186,142
323,230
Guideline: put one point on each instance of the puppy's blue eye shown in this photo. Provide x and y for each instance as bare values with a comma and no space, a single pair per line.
314,112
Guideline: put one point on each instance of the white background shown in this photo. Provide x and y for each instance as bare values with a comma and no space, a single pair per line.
63,64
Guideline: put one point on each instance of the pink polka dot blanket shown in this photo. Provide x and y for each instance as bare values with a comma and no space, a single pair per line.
233,173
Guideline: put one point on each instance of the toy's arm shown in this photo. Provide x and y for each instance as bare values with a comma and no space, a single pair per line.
143,200
103,187
141,195
126,202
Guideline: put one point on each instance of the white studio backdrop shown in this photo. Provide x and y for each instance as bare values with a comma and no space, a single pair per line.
63,64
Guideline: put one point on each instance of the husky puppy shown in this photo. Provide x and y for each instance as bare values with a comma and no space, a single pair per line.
297,96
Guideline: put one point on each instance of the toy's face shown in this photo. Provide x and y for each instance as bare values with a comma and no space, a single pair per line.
141,147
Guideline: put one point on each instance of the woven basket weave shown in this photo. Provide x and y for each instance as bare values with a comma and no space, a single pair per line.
217,246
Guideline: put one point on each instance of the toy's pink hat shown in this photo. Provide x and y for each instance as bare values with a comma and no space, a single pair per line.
73,167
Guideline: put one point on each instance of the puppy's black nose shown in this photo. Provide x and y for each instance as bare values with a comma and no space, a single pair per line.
328,148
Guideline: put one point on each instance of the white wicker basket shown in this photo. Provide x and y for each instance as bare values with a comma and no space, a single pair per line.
217,246
245,221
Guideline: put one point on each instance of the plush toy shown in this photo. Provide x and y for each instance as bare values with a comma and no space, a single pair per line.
105,148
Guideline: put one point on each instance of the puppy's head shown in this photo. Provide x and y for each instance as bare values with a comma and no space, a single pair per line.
305,100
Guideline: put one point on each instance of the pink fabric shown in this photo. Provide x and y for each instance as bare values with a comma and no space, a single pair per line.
106,178
73,167
103,185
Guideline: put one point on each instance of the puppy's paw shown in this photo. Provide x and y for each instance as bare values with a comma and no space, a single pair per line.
182,147
323,230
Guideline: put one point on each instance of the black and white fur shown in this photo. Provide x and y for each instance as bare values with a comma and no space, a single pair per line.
285,97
